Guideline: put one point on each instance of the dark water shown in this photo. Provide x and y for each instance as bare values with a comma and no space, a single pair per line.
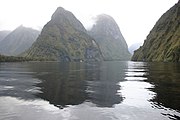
90,91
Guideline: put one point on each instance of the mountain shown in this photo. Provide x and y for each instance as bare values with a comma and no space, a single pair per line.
109,38
18,41
163,42
134,47
64,38
3,34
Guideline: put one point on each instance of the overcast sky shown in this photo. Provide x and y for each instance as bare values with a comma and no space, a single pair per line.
134,17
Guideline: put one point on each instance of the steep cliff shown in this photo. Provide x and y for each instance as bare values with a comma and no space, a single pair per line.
163,42
64,38
109,38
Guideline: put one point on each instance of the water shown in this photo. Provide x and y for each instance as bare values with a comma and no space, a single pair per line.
89,91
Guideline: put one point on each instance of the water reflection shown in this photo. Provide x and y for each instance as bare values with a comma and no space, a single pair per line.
17,81
80,82
102,83
166,81
64,84
106,90
135,88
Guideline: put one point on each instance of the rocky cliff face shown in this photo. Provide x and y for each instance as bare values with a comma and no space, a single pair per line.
18,41
64,38
163,42
109,38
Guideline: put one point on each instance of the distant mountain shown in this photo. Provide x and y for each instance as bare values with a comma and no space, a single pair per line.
163,42
18,41
134,47
3,34
64,38
109,38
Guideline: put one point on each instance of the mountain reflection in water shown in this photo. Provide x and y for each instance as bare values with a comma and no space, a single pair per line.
75,83
102,90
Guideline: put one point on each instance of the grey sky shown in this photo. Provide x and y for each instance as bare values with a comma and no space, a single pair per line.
134,17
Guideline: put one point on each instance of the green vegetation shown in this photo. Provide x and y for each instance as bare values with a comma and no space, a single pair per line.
64,38
12,59
163,42
21,59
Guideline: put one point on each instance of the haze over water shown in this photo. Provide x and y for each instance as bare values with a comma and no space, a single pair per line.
89,91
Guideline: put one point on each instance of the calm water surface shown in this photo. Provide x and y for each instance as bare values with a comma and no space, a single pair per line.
90,91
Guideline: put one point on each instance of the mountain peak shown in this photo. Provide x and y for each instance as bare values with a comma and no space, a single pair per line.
59,11
64,38
104,17
20,27
60,8
107,24
64,17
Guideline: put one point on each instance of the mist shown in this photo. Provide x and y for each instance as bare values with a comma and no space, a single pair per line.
135,18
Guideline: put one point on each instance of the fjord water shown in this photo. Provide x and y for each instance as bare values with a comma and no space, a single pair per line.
89,91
